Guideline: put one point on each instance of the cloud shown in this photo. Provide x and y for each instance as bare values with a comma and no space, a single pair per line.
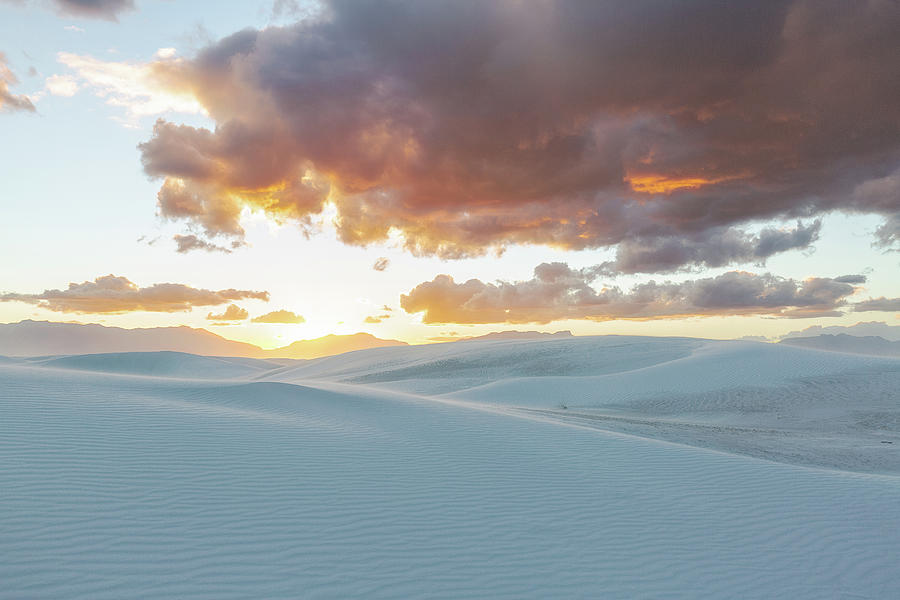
465,127
110,294
10,102
279,316
381,264
558,292
94,9
374,319
144,239
108,10
74,28
187,243
878,304
883,190
141,89
282,9
232,312
887,236
61,85
715,247
851,279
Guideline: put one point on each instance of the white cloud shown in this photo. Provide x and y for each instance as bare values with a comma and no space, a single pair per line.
61,85
165,53
135,87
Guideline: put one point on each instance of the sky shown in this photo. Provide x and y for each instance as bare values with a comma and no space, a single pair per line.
275,171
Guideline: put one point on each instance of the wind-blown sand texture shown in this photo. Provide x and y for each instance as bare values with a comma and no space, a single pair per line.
607,467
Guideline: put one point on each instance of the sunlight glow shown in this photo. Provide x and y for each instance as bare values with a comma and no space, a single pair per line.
660,184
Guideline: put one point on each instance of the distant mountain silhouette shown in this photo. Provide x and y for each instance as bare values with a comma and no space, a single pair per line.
517,335
871,345
863,329
329,345
41,338
45,338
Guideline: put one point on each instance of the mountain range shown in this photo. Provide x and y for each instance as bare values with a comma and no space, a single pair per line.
842,342
44,338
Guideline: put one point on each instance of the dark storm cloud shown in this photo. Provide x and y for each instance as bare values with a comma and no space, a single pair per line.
558,292
471,125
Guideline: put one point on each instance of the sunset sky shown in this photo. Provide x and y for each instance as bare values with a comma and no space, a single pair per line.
275,171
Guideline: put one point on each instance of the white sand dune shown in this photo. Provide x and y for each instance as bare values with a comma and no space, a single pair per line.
160,364
438,368
770,401
666,365
448,471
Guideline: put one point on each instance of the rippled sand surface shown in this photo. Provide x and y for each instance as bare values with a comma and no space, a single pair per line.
359,476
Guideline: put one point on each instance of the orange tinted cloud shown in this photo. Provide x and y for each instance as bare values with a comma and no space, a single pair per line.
110,294
660,184
232,312
467,128
280,316
558,292
375,319
649,183
8,101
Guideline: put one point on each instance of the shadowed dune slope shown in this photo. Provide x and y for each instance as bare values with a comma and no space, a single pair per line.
440,368
161,364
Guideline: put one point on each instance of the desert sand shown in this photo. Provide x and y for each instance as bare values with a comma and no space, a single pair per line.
596,467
